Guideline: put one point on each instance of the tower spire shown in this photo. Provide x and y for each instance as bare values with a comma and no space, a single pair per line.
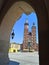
26,22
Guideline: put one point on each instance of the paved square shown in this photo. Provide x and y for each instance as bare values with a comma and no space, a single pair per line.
24,58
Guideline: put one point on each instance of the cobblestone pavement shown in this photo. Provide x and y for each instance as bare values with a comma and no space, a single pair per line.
24,58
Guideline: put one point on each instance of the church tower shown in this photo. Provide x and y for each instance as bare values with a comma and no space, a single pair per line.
25,41
33,36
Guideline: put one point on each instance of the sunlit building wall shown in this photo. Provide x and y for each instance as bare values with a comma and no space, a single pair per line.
14,47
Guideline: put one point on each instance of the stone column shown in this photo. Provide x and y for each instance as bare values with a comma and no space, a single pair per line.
4,45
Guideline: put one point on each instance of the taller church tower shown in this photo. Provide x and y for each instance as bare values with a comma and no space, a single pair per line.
25,41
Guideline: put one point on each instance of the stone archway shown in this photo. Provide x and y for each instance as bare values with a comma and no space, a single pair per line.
40,9
11,16
7,23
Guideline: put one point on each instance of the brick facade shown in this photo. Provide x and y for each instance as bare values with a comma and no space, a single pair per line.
29,37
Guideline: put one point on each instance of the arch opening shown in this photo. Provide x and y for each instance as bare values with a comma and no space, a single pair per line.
19,33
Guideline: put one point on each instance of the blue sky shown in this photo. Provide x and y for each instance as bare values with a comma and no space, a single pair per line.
19,27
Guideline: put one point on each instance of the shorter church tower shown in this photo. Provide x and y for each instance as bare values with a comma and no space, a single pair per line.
34,44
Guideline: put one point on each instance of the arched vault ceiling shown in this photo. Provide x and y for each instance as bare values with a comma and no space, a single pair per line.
11,16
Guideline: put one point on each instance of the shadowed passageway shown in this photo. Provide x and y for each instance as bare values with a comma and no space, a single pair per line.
13,63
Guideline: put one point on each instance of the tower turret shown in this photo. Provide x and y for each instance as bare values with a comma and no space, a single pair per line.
26,24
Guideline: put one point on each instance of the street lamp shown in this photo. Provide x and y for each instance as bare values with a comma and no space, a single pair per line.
12,34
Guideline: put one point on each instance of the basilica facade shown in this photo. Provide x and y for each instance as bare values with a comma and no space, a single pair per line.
29,40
